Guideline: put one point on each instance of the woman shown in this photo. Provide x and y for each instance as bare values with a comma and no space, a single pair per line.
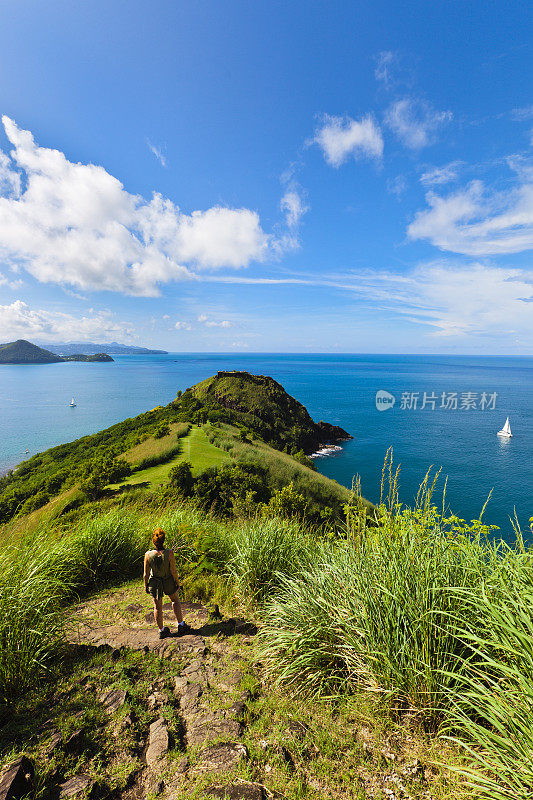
161,577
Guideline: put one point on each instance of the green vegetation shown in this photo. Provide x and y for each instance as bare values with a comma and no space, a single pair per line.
97,357
425,622
158,437
23,352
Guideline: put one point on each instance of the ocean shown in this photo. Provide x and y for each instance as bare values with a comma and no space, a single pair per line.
446,413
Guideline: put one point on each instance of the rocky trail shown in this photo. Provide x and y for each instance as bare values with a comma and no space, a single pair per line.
206,693
139,718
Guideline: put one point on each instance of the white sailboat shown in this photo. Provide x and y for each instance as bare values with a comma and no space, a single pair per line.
72,403
506,430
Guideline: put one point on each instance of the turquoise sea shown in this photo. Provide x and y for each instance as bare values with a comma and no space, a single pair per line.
35,414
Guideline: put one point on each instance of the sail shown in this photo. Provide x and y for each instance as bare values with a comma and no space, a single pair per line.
507,426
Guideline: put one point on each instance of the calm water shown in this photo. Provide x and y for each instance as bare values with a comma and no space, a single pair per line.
339,389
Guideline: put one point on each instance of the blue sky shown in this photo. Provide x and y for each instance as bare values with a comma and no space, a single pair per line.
268,176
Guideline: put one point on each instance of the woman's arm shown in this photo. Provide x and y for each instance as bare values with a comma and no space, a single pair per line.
146,571
172,564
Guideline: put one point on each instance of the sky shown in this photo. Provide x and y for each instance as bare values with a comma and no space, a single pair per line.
235,176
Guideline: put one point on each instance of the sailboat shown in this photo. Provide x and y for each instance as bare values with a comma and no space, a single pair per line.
506,430
72,403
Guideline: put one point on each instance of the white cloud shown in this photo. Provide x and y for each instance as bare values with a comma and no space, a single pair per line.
478,221
294,207
521,114
4,281
384,63
415,122
75,224
225,323
157,153
466,301
341,137
182,326
19,321
397,185
438,176
209,323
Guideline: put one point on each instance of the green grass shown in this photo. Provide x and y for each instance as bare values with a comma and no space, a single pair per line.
195,448
152,447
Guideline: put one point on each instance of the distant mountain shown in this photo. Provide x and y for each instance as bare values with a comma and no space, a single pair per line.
23,352
90,348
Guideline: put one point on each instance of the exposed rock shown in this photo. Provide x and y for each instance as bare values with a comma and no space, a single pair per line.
17,780
220,757
206,726
157,699
180,684
238,791
190,696
112,700
157,743
53,744
226,683
78,785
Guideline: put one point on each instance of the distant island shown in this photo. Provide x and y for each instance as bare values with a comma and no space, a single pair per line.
91,348
24,352
83,357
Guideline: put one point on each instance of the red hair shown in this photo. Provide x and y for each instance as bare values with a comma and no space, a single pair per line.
158,538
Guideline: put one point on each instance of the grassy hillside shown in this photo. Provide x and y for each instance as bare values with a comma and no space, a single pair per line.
252,410
194,448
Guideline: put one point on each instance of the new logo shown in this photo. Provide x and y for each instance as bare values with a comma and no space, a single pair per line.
384,400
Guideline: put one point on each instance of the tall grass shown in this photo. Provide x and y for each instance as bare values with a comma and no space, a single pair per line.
492,712
39,576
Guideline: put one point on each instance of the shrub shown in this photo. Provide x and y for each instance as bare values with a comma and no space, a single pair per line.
286,502
181,479
162,430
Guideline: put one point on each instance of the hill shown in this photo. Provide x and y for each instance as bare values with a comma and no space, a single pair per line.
92,348
23,352
244,419
263,404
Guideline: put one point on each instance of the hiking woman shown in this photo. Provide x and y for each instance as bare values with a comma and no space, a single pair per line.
161,577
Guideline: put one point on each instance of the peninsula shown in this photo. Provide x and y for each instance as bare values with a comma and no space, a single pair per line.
24,352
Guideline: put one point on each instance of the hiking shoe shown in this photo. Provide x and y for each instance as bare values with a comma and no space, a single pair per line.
164,633
183,629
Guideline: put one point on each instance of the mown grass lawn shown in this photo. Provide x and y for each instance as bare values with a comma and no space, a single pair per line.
195,448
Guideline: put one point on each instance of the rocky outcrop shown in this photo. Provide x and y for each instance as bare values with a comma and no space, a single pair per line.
17,781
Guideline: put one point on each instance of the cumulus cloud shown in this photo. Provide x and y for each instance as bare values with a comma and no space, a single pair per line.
478,221
19,321
415,122
438,176
75,224
342,137
182,326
